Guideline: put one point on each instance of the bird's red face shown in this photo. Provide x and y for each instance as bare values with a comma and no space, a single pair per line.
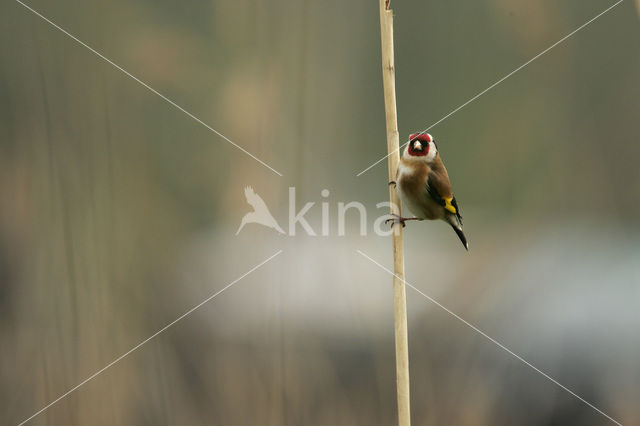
420,144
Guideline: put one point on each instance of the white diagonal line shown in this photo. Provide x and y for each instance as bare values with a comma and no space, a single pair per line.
94,375
500,345
500,81
148,87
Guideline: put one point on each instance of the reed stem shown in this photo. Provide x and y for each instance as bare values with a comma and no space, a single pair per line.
393,145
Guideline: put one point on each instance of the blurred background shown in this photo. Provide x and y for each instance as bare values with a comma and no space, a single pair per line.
118,213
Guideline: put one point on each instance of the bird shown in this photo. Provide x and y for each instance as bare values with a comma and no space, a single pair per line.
260,213
423,185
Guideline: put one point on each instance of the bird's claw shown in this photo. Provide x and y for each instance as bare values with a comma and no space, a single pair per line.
396,219
393,182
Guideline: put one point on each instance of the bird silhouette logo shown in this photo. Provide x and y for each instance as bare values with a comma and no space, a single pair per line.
260,213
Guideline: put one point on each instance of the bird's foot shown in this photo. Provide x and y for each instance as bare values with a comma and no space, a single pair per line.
399,219
393,182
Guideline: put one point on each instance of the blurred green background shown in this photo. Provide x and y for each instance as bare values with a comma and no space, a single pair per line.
119,212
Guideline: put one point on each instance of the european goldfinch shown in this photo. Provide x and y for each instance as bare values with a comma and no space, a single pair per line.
423,185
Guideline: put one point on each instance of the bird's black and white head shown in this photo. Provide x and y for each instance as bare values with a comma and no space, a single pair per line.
421,147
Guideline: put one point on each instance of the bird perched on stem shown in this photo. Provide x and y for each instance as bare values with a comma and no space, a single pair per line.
423,185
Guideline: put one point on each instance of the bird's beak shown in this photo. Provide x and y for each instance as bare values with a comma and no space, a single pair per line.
418,145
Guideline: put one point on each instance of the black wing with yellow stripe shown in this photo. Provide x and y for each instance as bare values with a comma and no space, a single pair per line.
449,204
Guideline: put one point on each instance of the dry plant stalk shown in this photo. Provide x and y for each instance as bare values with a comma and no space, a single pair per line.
393,145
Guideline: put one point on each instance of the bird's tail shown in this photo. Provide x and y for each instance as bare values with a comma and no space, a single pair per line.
461,236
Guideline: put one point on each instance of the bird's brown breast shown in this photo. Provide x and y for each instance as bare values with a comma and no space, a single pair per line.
412,177
412,181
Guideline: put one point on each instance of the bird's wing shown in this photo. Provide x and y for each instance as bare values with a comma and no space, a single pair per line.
439,189
254,199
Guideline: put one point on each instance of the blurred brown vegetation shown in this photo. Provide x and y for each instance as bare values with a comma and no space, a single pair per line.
118,213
